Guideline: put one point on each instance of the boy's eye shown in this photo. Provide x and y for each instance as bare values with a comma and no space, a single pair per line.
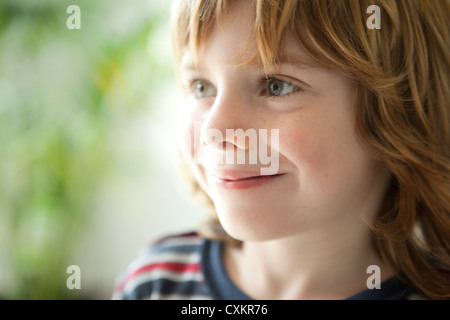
277,87
203,89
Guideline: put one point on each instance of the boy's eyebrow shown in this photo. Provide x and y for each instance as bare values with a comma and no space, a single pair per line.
298,62
187,63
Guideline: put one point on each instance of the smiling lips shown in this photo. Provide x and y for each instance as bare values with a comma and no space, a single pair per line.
238,179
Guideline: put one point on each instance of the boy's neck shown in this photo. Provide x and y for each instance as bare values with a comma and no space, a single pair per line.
302,267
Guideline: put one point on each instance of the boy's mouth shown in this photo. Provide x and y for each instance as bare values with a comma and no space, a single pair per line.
240,179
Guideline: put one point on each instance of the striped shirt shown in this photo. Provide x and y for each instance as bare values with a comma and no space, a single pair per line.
189,267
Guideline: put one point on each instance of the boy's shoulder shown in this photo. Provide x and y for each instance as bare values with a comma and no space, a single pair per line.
169,268
176,243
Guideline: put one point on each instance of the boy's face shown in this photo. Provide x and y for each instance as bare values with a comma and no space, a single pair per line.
326,178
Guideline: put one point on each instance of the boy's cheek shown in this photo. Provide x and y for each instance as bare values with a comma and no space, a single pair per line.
186,140
302,148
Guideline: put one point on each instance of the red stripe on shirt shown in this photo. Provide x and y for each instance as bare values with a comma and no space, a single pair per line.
168,266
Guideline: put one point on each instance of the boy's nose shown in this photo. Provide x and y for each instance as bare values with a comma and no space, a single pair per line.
228,112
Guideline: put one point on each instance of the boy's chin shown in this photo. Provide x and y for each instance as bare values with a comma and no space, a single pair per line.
252,226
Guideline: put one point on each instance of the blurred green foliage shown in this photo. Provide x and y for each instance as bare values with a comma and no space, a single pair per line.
60,92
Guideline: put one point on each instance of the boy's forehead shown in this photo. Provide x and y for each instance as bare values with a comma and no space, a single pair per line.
239,53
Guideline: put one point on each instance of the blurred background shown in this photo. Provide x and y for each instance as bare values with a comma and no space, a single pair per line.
87,124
